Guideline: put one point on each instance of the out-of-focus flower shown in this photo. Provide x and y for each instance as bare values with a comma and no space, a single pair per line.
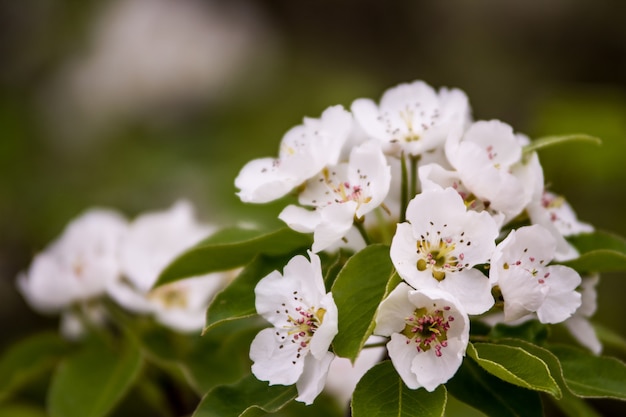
152,242
78,265
412,118
519,266
340,195
305,150
441,245
429,332
304,317
144,56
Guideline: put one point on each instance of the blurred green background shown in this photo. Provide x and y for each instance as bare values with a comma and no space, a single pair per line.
134,104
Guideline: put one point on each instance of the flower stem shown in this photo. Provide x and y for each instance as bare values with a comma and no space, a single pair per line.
404,192
358,223
414,161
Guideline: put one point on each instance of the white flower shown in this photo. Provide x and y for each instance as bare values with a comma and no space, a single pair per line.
555,214
484,156
304,316
78,265
152,242
304,151
578,324
429,332
412,118
341,194
519,266
441,245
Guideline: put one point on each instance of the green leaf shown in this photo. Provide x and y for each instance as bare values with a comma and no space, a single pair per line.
609,337
230,250
93,381
248,396
358,290
220,356
599,252
531,330
29,359
381,393
492,396
573,406
515,365
592,376
236,301
547,141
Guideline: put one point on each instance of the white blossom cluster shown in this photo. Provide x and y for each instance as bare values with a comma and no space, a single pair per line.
456,188
102,254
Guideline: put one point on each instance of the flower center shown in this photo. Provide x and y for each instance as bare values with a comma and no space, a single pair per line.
438,257
428,330
170,296
302,327
344,191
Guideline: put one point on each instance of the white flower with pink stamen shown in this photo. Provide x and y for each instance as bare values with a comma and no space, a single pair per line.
429,332
412,118
555,214
340,195
304,151
441,245
519,267
484,157
304,316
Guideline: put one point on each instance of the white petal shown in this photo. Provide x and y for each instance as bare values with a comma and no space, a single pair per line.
562,299
263,180
368,168
336,221
584,332
404,257
311,382
278,366
402,355
471,288
432,370
300,219
366,114
326,332
393,310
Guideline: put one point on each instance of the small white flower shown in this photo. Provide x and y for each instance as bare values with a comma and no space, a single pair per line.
78,265
484,156
578,324
304,151
519,266
555,214
412,118
341,194
429,332
153,240
304,316
442,244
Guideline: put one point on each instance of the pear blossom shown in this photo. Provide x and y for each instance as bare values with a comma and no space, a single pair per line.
519,267
442,243
304,317
429,332
153,240
412,118
435,177
484,157
555,214
78,265
341,194
578,324
304,151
